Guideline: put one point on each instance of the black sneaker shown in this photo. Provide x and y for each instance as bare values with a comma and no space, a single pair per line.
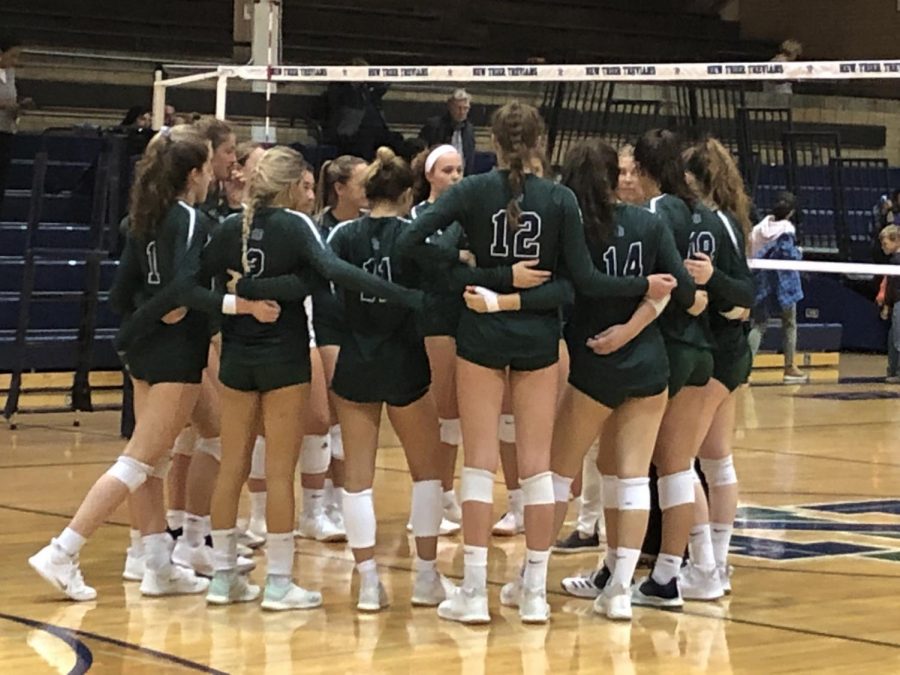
575,543
649,593
587,585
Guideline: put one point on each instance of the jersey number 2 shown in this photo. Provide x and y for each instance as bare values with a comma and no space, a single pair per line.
380,268
634,263
525,240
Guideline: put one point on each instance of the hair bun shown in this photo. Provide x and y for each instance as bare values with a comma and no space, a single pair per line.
385,155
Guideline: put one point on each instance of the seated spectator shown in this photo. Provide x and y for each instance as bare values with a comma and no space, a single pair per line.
137,117
778,291
886,211
454,128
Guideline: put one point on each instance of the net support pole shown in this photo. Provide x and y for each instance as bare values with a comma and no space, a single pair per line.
159,100
221,95
266,54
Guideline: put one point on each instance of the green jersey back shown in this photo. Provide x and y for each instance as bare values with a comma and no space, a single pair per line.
733,287
370,244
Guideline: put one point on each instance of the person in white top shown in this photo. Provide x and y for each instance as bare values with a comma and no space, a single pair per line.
10,105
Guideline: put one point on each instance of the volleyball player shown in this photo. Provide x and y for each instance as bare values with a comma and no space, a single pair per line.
716,178
441,167
698,235
224,145
510,215
166,363
340,196
266,369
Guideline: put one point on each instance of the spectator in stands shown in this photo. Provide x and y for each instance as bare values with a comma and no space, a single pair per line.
171,117
137,117
886,211
778,292
890,244
790,50
10,104
454,128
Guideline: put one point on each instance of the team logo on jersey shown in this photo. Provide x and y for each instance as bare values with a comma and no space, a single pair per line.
866,529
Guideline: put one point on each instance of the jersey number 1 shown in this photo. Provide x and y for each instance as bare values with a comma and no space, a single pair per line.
380,268
525,240
153,277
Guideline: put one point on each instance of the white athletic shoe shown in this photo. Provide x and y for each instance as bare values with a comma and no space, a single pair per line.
615,603
511,593
250,539
228,587
293,598
452,509
134,566
724,572
533,607
62,572
257,527
372,597
200,559
318,526
172,580
511,524
336,516
448,527
465,605
588,584
244,550
697,583
430,589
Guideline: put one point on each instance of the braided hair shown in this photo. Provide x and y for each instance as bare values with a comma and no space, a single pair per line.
517,129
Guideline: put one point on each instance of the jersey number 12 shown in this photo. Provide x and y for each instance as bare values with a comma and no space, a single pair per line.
525,240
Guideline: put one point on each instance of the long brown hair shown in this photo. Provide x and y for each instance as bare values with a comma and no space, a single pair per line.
591,171
720,181
338,170
658,154
517,129
161,175
215,130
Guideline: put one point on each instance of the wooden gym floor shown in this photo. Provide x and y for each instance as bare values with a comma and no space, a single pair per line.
816,557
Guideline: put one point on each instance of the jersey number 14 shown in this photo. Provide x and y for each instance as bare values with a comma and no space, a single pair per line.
634,262
380,268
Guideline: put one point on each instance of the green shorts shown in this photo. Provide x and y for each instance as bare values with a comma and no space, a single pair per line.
263,377
732,369
396,373
441,314
689,366
328,319
171,353
518,341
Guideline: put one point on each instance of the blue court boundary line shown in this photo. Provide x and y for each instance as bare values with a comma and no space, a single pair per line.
67,635
83,656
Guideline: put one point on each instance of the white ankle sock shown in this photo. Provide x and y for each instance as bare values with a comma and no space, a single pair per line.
156,551
329,496
280,554
475,567
137,547
70,542
721,541
313,501
666,567
516,502
535,576
425,566
174,519
626,563
610,559
701,547
368,571
257,506
194,529
224,550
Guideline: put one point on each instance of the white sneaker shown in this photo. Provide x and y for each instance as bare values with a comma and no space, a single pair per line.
697,583
172,580
243,550
509,525
430,589
336,516
588,584
228,587
448,528
318,526
372,597
250,539
134,566
200,559
62,572
615,603
724,572
452,509
469,606
257,527
511,593
294,598
533,607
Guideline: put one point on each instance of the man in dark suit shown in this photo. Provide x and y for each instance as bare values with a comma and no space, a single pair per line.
454,128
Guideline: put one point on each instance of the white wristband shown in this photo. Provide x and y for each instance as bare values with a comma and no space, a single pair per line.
658,305
229,304
735,313
490,298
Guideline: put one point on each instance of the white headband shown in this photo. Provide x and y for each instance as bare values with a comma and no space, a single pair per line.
436,154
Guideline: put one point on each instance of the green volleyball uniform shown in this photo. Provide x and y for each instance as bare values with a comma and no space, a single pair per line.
328,313
549,230
640,246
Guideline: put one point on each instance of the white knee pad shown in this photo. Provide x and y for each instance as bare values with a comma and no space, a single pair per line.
211,447
427,508
610,492
130,471
634,494
719,472
184,442
359,518
561,487
315,454
161,468
258,459
476,485
337,442
676,489
450,431
537,490
507,431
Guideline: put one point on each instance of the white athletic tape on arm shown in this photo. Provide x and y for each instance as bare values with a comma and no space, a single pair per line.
658,305
229,304
490,298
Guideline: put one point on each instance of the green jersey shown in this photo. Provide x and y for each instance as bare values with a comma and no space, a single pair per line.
731,286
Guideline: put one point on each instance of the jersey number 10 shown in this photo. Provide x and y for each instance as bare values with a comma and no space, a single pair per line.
525,242
380,268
